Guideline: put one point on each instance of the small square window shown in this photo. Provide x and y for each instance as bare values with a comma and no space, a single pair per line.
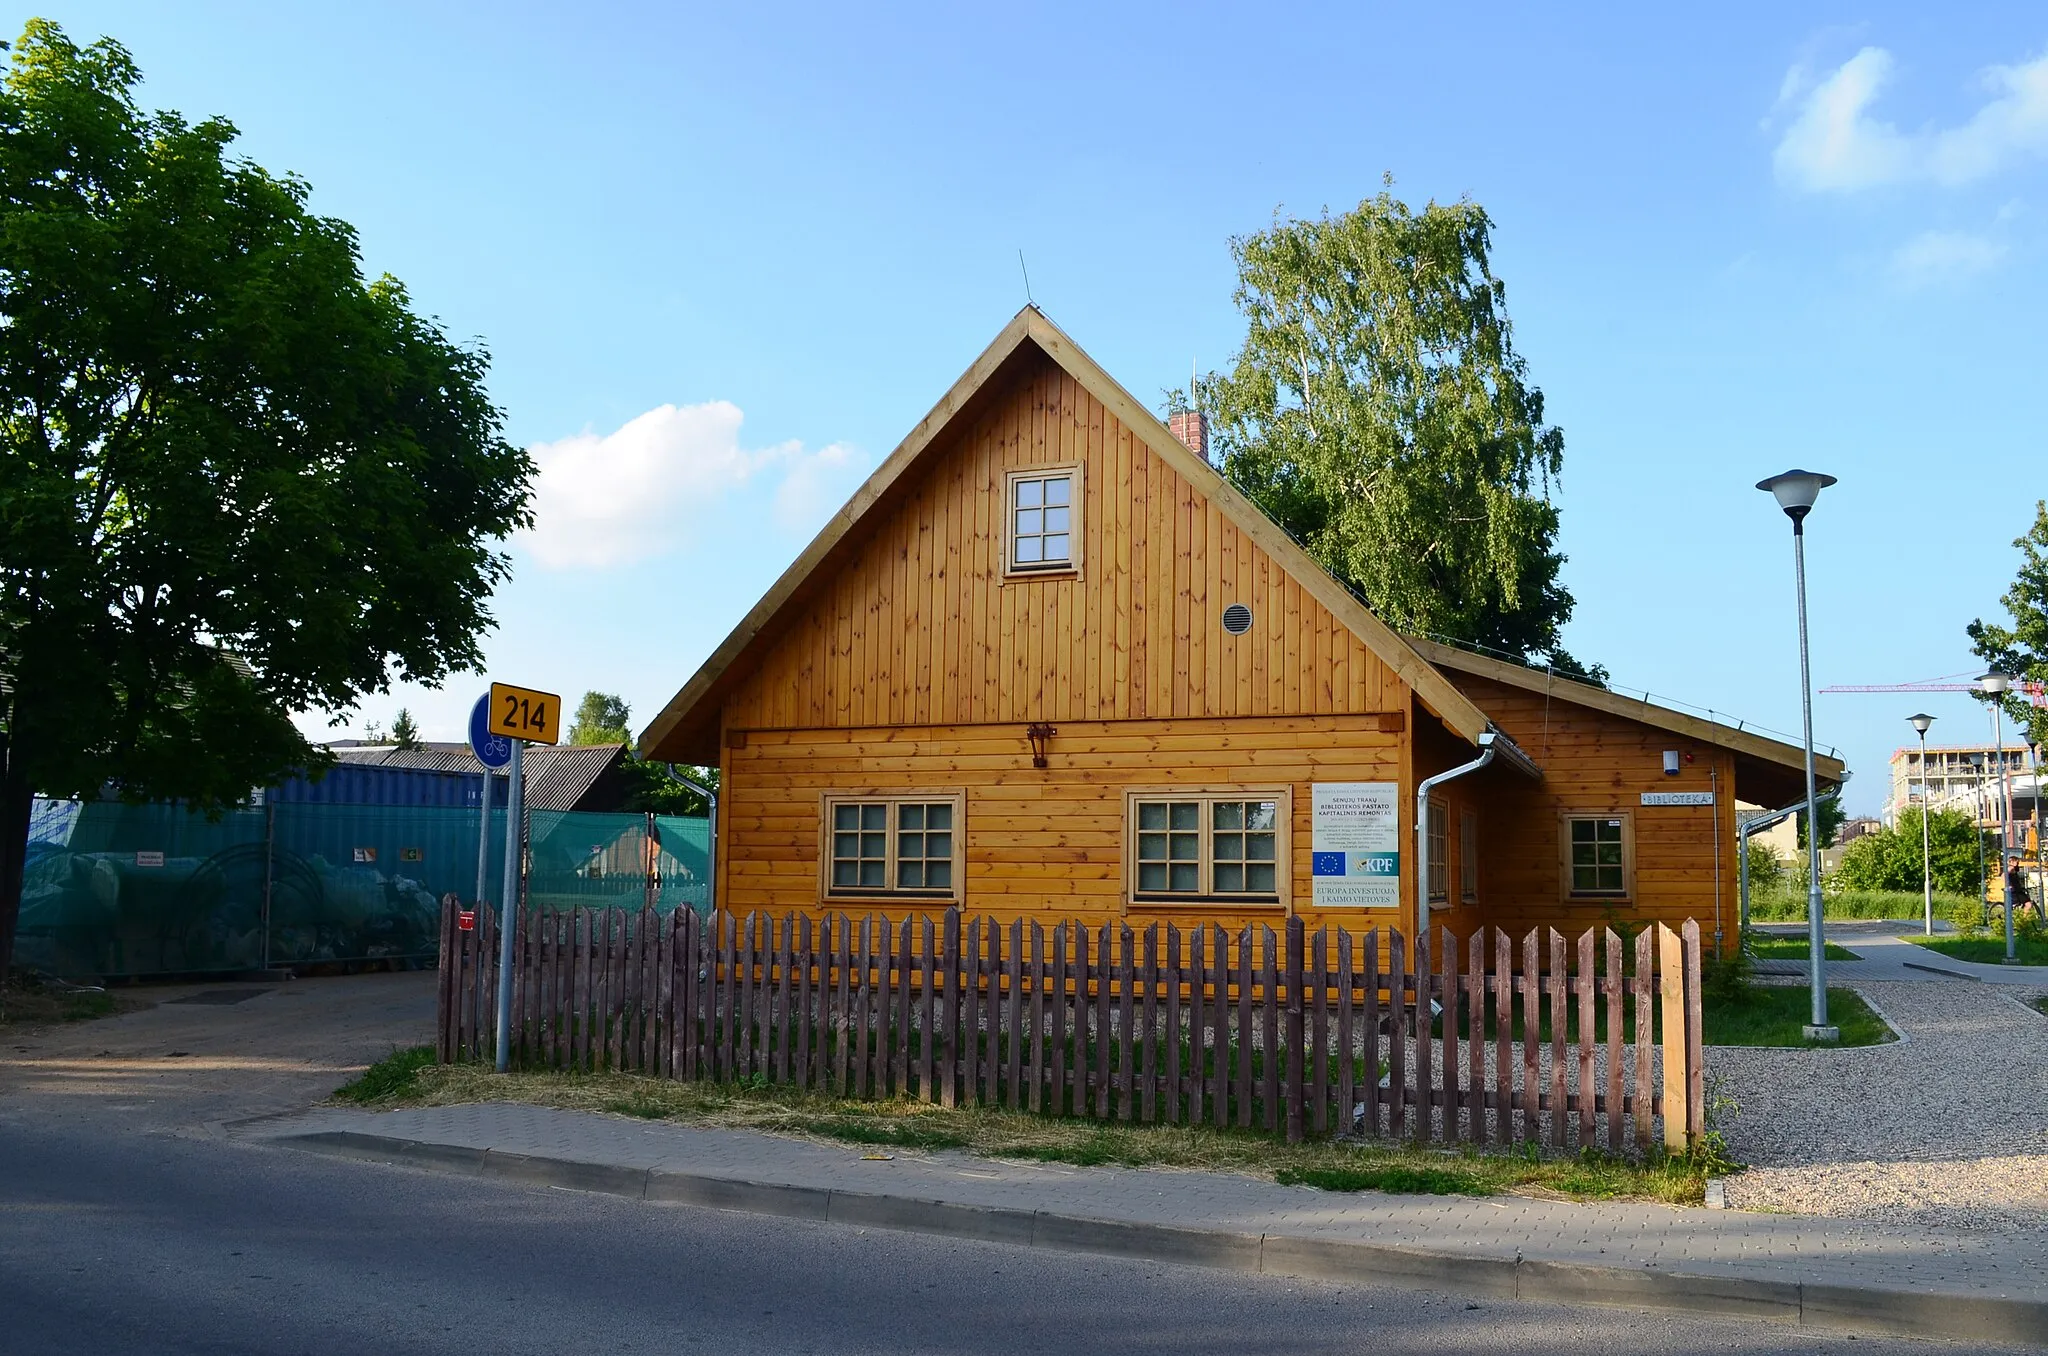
1044,518
886,846
1208,849
1597,856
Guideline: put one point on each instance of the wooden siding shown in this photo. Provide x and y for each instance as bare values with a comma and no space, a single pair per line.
919,627
1595,763
1041,842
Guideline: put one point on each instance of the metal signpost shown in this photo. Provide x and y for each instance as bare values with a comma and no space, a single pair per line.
519,716
493,751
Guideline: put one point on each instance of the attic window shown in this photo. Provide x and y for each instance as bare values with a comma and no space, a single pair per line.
1044,504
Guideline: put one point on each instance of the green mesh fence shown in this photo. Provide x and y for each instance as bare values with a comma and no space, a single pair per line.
580,859
135,890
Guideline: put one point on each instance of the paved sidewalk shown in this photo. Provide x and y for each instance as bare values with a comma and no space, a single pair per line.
1825,1272
1884,954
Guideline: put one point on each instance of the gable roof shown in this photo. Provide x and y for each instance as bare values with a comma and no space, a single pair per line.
554,776
1743,743
679,731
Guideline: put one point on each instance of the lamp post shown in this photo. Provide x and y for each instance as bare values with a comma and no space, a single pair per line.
1977,815
1795,492
1995,685
1920,724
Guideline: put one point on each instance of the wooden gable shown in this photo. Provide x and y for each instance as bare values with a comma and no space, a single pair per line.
900,614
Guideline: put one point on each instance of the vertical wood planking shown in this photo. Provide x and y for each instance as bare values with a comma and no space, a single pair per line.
1173,1041
1560,1019
1476,1039
927,1012
1244,1028
1296,1092
1104,967
1056,1090
1148,1052
1589,1092
1126,1051
1012,1013
1347,1036
1503,1036
1695,1070
1448,1066
1614,1041
1269,1010
1034,1054
1670,980
1645,1038
1532,1026
1198,1005
948,1036
906,960
863,1002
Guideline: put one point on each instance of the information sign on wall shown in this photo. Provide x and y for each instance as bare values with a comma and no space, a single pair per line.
1355,845
1678,798
149,859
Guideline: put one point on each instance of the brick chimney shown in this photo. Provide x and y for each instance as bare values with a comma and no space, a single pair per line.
1192,428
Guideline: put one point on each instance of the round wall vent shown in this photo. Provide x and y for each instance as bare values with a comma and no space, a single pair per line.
1237,619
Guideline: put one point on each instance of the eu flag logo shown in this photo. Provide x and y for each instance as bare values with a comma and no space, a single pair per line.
1326,863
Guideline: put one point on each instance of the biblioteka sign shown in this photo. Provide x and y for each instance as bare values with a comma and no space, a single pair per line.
1355,845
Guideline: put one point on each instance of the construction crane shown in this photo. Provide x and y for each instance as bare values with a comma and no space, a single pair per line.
2036,693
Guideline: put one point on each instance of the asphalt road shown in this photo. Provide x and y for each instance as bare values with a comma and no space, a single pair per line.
119,1239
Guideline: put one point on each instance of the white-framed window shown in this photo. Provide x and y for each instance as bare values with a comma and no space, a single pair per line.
1468,856
1043,531
1439,851
1220,846
1598,856
909,844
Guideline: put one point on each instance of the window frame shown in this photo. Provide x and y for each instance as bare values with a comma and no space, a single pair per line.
1076,524
1627,893
1281,901
1438,831
829,801
1468,855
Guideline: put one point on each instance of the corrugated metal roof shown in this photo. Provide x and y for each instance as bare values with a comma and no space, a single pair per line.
557,777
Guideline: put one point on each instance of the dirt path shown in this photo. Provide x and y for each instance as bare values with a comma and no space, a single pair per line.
182,1065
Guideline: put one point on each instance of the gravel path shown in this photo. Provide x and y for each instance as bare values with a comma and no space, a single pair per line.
1948,1127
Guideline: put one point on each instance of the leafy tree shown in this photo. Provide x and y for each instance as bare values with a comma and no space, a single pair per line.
1379,412
602,718
655,792
1890,859
237,480
2022,648
1765,868
1827,805
404,733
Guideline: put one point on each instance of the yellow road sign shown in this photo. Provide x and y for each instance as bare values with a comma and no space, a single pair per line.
522,713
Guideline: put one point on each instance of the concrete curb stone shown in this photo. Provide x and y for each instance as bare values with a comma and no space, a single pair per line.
1834,1307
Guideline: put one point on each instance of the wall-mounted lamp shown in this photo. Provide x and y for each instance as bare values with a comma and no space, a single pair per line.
1040,734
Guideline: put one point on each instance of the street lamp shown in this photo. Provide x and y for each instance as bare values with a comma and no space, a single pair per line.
1795,492
1920,724
1995,685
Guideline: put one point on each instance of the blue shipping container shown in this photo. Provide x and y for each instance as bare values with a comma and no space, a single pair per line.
373,784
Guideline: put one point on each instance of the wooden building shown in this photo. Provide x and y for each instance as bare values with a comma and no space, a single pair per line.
1047,661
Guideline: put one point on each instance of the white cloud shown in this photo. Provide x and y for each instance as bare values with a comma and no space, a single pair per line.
1834,144
612,499
1944,256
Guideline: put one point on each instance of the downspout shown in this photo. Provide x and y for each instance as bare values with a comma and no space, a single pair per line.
1422,791
1743,830
711,822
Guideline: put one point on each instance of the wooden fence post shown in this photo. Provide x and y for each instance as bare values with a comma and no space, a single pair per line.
1671,987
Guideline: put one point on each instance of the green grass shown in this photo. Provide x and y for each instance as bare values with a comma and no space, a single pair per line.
1774,1015
2041,1005
1987,950
389,1078
1789,906
1795,948
28,1001
407,1078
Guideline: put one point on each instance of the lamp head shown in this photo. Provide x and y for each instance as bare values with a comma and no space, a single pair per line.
1796,490
1920,722
1995,684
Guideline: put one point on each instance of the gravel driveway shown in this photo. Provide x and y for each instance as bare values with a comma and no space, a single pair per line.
1947,1127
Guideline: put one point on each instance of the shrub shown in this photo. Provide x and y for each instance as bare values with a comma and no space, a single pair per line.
1967,914
1766,869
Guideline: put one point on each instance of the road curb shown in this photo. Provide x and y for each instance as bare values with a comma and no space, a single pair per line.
1838,1308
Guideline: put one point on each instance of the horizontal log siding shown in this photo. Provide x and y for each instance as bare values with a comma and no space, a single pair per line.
1040,841
1597,763
919,627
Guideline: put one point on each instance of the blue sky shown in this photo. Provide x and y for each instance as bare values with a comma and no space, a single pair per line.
724,259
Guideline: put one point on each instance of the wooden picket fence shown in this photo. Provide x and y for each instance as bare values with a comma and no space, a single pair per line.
1491,1039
